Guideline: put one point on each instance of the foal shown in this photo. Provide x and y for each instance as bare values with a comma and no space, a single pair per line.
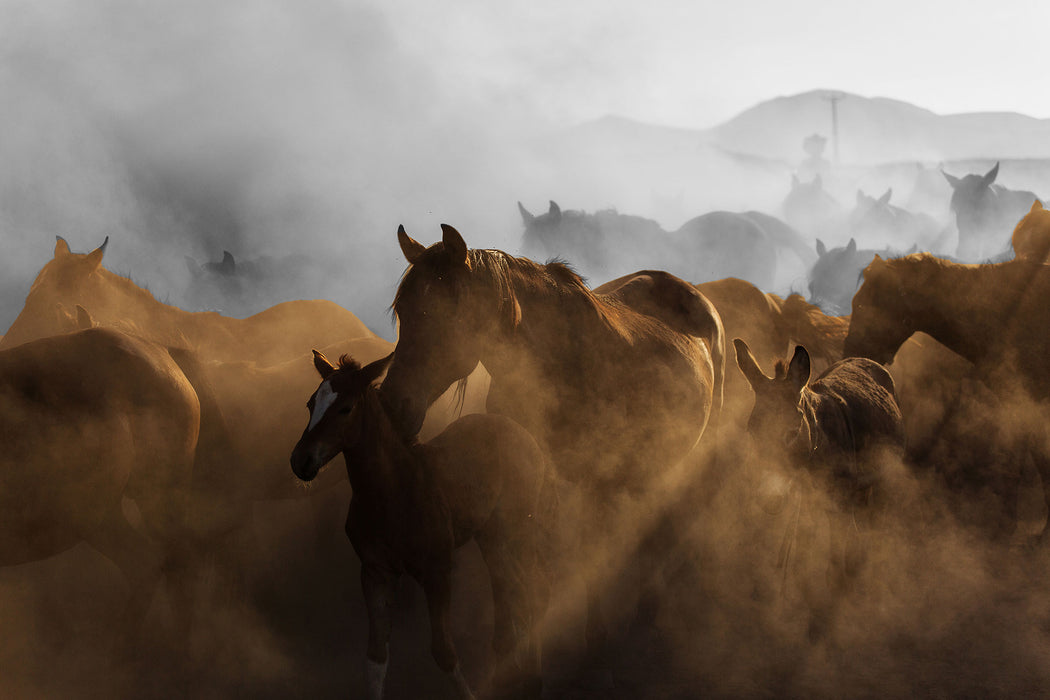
483,478
834,427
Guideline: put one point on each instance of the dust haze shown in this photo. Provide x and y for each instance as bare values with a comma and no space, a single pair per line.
298,136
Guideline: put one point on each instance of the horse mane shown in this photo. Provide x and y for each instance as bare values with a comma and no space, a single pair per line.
347,362
824,335
506,275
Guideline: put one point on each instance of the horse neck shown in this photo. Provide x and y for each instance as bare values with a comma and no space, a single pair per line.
960,306
382,464
552,317
128,301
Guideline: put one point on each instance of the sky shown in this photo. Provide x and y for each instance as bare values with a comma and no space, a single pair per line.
316,127
698,63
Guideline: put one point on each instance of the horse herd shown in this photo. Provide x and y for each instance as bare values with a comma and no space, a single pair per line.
623,391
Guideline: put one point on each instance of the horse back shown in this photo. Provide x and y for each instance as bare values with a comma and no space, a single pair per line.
87,418
853,406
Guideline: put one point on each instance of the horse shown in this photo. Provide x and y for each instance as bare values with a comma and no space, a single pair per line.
984,212
717,244
86,419
809,208
616,385
930,194
995,316
838,428
836,274
769,324
1031,237
270,336
877,222
484,478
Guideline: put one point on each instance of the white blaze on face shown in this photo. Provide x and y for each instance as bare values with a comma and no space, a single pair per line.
323,400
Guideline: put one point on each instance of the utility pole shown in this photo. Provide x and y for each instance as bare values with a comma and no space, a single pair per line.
834,98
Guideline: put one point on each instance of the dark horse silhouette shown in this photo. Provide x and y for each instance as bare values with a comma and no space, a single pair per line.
995,316
617,387
718,244
483,478
836,428
87,419
985,213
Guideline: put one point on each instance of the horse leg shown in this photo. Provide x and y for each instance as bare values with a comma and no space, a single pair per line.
377,588
138,560
513,593
1042,464
437,585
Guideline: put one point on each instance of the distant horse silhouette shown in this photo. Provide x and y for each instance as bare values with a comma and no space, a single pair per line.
984,213
1031,237
86,419
617,387
930,194
714,245
877,222
836,427
483,478
811,210
995,316
277,334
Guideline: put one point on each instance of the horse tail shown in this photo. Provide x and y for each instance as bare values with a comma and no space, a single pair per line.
215,449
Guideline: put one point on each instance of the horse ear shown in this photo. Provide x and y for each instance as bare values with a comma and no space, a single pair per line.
851,248
526,216
410,247
554,211
989,177
952,180
798,370
747,364
794,180
61,247
455,246
84,320
885,199
822,249
94,258
323,366
860,196
1036,206
818,182
374,370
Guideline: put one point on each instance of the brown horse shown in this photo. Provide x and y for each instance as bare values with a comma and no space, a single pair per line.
1031,237
769,325
617,386
87,419
834,427
270,336
995,316
413,504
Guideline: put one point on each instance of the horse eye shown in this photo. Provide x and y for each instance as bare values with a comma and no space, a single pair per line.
345,410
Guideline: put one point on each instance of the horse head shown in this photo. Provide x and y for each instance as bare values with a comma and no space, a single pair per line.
336,409
881,320
833,278
59,284
452,303
974,202
776,418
